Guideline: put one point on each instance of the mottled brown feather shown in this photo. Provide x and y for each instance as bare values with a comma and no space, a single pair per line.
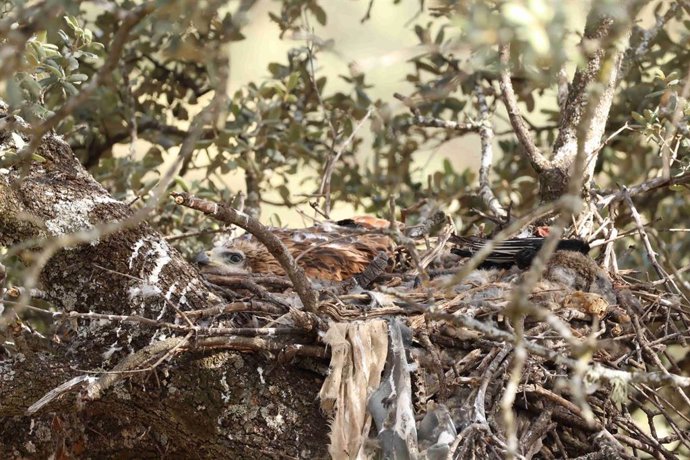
326,252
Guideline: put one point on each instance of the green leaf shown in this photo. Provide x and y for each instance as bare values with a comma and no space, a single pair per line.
319,13
32,86
153,158
70,88
292,81
65,38
448,167
78,77
72,22
46,82
38,158
284,192
53,67
72,64
182,183
639,118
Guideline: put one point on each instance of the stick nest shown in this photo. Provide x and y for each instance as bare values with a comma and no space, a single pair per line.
438,361
598,377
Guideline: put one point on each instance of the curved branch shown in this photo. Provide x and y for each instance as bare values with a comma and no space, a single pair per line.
536,158
228,215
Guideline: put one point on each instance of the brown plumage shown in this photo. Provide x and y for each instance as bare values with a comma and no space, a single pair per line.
329,251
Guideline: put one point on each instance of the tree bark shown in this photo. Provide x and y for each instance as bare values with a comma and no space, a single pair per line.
589,101
195,404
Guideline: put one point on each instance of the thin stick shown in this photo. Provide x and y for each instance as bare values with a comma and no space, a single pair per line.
325,188
486,134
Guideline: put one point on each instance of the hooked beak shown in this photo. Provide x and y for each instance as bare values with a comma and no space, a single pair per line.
202,258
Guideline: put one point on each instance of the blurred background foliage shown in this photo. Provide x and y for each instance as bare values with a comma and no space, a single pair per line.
311,84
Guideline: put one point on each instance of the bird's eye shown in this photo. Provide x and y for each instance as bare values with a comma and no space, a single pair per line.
234,257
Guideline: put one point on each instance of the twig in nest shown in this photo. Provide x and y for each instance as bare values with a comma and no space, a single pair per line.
271,344
226,214
236,307
427,227
259,291
651,255
238,280
597,371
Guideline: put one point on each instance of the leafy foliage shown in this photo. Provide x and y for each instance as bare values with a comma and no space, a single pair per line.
288,123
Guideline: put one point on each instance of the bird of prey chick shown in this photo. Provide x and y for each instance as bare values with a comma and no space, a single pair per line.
327,251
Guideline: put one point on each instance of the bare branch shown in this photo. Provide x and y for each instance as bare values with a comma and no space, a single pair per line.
227,215
648,35
650,185
651,255
430,122
325,188
486,133
536,158
259,344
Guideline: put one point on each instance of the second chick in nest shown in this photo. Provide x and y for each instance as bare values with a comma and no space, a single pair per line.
569,267
580,272
328,251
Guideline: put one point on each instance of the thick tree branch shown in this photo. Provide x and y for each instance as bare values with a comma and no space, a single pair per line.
593,84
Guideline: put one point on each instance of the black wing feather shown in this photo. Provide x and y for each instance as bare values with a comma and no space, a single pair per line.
516,251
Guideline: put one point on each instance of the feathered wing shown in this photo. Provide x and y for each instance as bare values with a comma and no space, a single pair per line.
504,254
516,251
331,253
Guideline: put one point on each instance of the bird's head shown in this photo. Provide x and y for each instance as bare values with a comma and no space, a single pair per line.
222,261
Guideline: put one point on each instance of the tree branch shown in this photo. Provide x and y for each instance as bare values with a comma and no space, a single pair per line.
486,134
228,215
536,158
593,84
